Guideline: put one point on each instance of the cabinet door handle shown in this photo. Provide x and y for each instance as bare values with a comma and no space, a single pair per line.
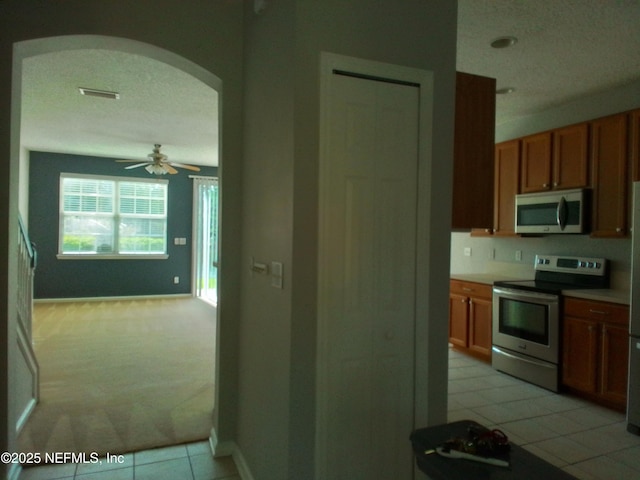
467,289
599,312
619,230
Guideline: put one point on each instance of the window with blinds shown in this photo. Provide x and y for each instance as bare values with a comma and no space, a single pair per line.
112,216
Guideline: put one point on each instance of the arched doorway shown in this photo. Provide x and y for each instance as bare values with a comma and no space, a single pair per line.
42,47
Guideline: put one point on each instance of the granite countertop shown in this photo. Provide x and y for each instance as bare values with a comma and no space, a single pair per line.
622,297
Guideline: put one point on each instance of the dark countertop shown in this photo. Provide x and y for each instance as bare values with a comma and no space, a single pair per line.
523,464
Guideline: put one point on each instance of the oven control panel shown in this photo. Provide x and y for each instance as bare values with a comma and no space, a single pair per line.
579,265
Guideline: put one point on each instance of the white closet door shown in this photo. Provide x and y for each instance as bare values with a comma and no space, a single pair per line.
367,290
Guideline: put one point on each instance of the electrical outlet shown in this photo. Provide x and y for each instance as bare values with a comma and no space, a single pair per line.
176,280
519,255
492,254
467,251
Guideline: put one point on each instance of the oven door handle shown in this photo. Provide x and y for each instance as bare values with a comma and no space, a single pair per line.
526,296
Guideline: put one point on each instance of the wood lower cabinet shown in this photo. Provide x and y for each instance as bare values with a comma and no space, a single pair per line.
595,350
470,317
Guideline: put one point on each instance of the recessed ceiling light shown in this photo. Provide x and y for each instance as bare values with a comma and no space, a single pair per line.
505,90
504,42
92,92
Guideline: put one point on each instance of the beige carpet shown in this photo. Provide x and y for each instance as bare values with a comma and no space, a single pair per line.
121,376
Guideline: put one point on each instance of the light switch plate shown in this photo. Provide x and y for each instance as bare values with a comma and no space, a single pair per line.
276,274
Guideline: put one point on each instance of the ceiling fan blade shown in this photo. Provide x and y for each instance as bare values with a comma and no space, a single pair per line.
127,161
169,168
136,166
183,165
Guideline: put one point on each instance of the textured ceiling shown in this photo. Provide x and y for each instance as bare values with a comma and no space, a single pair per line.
567,49
158,104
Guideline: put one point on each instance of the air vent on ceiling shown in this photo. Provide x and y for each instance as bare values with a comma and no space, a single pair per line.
92,92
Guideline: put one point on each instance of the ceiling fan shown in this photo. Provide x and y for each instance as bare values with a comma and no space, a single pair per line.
158,163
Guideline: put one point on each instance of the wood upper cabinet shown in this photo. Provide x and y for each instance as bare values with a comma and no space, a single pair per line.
536,163
470,317
570,159
507,180
610,174
555,160
595,350
473,152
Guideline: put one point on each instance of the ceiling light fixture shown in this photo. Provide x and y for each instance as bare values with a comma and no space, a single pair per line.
504,42
92,92
505,90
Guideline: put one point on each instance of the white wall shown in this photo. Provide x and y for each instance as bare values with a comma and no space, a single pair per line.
601,104
618,251
278,341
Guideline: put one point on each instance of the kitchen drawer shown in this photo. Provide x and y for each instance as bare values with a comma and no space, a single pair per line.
471,289
597,311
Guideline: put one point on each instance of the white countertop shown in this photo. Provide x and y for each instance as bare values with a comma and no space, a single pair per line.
486,278
622,297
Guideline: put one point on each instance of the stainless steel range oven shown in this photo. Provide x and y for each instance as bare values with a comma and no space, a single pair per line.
526,316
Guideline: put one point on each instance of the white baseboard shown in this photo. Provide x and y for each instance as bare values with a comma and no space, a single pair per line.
241,464
226,449
104,299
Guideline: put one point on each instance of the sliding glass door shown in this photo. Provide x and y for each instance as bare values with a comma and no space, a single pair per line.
206,234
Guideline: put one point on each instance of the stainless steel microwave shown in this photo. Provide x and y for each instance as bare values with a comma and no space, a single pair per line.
561,211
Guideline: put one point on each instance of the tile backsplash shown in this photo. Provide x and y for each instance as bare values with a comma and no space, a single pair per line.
489,254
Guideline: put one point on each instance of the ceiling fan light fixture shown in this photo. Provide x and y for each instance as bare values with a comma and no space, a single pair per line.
504,42
158,163
505,90
155,169
92,92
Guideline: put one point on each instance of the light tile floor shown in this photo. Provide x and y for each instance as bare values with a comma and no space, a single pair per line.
585,440
181,462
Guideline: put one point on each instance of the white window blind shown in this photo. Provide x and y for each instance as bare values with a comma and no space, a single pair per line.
107,216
